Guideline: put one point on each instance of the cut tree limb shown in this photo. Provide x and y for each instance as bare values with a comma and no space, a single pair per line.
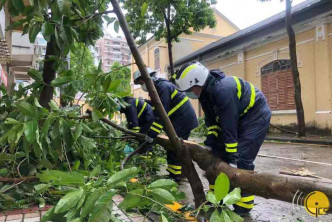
267,185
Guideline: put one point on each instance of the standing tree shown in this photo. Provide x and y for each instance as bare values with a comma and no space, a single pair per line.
168,19
62,23
295,71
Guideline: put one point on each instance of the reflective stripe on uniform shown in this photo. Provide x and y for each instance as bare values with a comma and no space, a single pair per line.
177,106
174,94
244,205
247,199
213,132
155,129
135,131
175,167
239,87
214,127
137,102
142,110
252,99
231,145
231,150
173,171
188,69
136,127
157,124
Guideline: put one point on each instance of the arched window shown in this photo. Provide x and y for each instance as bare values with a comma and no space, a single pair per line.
156,59
278,85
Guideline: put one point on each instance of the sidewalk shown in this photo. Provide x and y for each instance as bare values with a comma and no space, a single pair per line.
311,139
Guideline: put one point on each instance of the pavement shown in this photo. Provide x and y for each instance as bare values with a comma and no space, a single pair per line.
269,210
309,139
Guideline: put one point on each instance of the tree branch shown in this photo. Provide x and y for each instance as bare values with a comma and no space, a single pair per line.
93,15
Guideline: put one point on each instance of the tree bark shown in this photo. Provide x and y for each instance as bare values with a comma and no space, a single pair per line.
46,94
295,71
181,151
267,185
169,40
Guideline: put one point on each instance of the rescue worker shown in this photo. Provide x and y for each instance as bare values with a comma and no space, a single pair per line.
180,112
139,116
237,116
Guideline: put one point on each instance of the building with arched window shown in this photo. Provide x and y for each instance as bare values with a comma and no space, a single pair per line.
260,55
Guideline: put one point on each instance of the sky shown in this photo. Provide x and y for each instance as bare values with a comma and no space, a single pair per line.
243,13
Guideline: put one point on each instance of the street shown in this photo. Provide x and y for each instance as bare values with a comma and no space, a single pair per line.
268,210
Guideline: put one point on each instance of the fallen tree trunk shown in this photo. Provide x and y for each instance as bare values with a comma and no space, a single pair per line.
267,185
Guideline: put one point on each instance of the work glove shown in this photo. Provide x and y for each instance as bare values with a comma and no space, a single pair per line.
148,139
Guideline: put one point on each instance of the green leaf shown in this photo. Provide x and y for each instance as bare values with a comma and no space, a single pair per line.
35,74
54,106
26,109
16,24
132,199
30,130
36,102
34,32
108,19
95,171
233,216
163,183
233,197
90,202
144,9
122,176
41,188
163,218
46,126
66,133
212,198
47,30
18,5
114,85
48,215
11,121
78,131
162,195
76,165
68,201
96,115
3,172
102,210
46,163
116,26
81,201
221,186
216,217
61,81
225,216
56,177
64,6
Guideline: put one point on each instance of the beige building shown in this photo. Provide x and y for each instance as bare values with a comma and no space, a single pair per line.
260,54
155,53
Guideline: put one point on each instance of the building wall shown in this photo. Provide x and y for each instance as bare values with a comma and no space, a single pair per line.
186,45
315,67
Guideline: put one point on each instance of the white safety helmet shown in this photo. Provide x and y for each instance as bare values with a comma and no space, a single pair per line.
191,74
137,74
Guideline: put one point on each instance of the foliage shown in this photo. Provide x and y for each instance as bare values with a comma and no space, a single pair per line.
147,16
220,199
201,130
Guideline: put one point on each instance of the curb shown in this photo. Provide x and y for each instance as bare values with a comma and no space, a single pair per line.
293,140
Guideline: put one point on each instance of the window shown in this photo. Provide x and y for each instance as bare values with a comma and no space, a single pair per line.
156,59
278,85
116,50
116,56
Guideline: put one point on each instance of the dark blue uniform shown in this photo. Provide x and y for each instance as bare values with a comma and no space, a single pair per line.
181,114
139,114
237,116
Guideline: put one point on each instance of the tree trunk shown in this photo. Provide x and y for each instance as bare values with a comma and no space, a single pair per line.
46,94
181,152
267,185
295,71
169,40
